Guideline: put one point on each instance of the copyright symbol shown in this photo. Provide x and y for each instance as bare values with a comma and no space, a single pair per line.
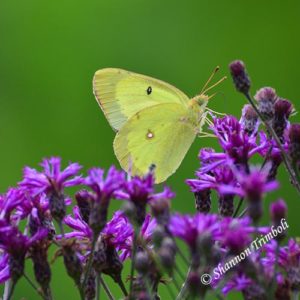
205,279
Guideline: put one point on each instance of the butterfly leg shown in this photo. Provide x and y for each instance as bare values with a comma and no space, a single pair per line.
205,120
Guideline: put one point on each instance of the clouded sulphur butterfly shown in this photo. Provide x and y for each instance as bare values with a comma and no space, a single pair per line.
155,122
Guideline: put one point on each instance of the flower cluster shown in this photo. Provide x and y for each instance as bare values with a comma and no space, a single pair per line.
231,246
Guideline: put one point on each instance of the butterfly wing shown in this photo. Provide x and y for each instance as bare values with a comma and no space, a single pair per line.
121,94
160,135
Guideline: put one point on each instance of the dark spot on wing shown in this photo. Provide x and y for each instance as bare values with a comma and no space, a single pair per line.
149,90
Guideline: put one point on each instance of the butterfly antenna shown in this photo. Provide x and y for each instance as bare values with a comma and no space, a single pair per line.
217,68
214,85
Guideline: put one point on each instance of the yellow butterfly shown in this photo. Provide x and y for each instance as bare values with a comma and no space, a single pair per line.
155,122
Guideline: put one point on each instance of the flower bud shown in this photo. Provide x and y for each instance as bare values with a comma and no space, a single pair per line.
84,199
142,262
160,209
278,212
159,233
169,244
283,108
167,259
275,160
294,142
293,275
254,291
57,206
266,98
249,120
240,76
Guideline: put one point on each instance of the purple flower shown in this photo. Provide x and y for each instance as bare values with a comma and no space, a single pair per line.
237,283
14,242
189,228
118,232
12,202
140,191
105,186
289,256
216,179
52,179
236,234
237,144
266,98
81,229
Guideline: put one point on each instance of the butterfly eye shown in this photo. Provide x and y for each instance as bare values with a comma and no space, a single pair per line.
149,90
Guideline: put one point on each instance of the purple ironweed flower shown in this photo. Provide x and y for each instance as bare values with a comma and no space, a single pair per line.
282,110
249,120
266,98
236,234
11,205
52,182
294,143
105,188
253,186
118,232
237,144
52,179
240,77
237,283
140,192
289,259
216,179
190,228
13,242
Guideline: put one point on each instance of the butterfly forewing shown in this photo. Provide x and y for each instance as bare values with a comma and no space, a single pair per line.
121,94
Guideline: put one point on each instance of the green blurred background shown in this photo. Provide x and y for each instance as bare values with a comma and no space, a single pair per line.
49,51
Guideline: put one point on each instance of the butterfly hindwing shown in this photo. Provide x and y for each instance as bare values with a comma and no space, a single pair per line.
159,135
121,94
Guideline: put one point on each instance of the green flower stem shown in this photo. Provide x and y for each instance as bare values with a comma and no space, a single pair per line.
238,207
106,288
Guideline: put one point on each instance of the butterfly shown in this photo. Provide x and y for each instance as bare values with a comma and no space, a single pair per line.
156,123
